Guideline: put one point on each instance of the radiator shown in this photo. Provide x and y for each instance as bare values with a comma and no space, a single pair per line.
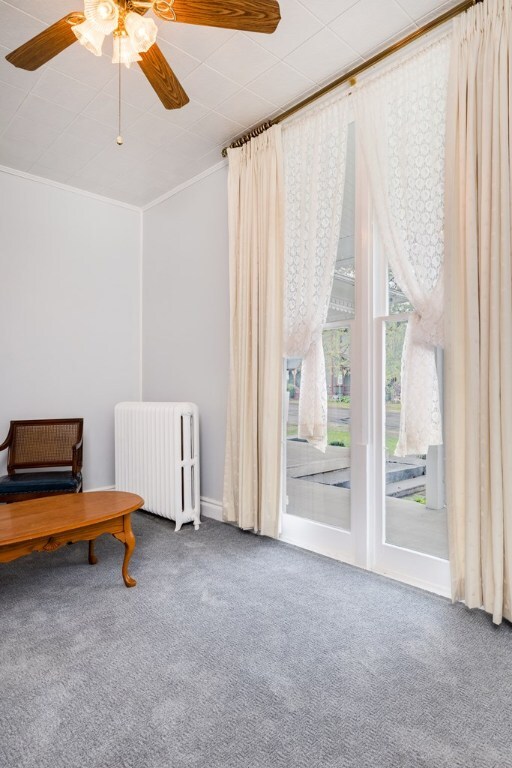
157,457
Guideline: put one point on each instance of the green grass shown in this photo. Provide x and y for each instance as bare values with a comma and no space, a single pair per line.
334,434
417,497
338,405
342,435
338,435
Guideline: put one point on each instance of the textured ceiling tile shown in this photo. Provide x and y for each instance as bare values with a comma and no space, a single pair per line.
104,109
208,86
78,63
52,172
241,59
63,163
24,139
327,10
67,144
28,133
11,100
48,11
181,63
280,84
296,26
152,129
186,115
245,107
190,145
369,23
216,128
417,9
15,155
16,28
435,12
43,113
135,90
195,40
323,55
63,90
90,131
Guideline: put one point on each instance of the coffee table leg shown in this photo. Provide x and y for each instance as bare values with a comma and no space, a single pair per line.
129,546
92,557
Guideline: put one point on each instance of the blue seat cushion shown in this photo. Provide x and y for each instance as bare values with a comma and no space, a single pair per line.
35,482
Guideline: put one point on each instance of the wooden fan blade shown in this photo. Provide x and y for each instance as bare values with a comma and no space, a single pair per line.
247,15
162,79
47,44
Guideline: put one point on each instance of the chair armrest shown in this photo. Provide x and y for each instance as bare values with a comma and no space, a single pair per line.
77,457
7,440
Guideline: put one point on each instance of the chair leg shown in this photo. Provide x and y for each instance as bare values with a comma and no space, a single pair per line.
92,557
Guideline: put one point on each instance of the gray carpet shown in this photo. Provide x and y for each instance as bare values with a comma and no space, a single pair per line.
239,652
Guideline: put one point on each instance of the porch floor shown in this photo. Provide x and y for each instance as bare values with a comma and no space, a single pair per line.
408,524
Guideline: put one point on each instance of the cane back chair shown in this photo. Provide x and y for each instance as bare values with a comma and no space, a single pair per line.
38,444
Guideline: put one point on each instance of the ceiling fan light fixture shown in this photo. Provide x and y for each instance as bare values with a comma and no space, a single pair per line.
103,14
124,51
88,36
142,31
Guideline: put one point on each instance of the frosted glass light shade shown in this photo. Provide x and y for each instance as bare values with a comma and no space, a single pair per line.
88,36
124,52
103,14
142,32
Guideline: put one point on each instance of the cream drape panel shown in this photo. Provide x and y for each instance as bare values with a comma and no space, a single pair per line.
479,313
400,119
314,149
252,480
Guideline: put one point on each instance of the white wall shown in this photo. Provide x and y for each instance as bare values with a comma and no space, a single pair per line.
186,311
69,298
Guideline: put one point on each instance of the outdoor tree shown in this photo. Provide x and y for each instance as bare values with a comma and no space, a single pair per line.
395,334
337,355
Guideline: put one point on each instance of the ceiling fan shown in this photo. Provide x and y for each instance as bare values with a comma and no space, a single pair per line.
134,37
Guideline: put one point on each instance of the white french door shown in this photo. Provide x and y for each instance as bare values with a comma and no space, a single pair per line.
358,502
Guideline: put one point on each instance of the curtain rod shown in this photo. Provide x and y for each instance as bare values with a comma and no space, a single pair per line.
352,74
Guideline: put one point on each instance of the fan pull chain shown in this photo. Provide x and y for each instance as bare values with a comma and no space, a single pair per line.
119,137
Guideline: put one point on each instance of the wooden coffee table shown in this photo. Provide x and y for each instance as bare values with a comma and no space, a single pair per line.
42,525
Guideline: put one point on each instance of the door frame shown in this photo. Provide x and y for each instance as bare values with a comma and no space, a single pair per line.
364,545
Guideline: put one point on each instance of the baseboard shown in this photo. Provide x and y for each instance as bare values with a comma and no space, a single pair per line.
405,578
211,508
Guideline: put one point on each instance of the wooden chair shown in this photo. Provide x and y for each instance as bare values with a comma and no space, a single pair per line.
37,444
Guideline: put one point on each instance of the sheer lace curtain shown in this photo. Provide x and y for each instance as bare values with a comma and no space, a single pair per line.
400,118
479,313
314,150
252,479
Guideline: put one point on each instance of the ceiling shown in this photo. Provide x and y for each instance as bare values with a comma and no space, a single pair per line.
60,122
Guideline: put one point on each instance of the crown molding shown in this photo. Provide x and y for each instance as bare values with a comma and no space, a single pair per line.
110,200
67,188
185,184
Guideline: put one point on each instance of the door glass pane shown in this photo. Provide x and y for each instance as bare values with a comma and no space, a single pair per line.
415,509
318,484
